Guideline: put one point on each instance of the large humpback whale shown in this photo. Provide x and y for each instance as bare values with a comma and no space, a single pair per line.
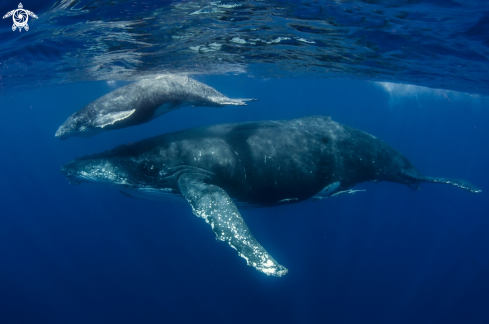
140,102
263,163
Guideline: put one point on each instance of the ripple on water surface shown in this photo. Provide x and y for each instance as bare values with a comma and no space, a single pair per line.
440,44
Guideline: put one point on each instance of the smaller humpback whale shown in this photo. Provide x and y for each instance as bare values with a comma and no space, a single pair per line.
141,102
217,168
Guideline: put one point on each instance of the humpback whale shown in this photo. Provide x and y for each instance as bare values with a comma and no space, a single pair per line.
141,102
266,163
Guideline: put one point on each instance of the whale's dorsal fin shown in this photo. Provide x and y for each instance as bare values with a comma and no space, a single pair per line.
111,118
214,205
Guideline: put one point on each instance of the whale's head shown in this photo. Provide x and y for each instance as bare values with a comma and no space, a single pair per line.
88,122
110,167
79,125
97,170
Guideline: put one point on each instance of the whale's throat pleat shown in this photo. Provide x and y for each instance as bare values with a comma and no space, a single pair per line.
163,194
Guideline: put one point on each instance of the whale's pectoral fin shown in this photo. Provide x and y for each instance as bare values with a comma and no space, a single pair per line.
234,102
111,118
214,205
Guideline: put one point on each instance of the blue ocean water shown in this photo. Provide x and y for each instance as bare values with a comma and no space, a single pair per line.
389,254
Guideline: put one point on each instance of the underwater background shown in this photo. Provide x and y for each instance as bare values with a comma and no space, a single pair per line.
413,74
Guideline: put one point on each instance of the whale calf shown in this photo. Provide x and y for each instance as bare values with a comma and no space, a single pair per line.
266,163
140,102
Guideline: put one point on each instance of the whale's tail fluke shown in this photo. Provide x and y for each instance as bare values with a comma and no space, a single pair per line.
462,184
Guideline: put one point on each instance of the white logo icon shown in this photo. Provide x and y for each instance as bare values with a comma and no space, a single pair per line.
20,17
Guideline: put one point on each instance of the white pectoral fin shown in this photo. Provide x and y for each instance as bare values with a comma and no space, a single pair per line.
250,99
111,118
214,205
234,102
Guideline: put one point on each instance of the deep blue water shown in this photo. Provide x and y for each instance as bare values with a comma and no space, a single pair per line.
87,254
389,254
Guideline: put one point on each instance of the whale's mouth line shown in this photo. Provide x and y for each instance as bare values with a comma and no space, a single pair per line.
59,133
76,179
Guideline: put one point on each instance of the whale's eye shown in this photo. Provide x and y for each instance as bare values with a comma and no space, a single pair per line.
325,140
149,169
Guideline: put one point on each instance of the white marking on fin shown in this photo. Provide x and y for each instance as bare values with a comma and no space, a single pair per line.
318,197
232,102
346,191
288,199
328,190
111,118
